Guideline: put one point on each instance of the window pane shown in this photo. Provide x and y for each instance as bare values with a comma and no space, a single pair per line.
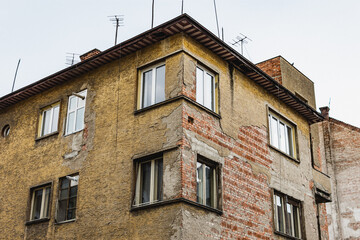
199,183
64,183
208,187
62,211
80,101
74,183
147,84
200,86
37,204
290,141
73,191
72,103
46,122
55,119
80,119
64,194
145,179
296,222
47,202
208,91
158,179
282,137
290,220
71,214
71,123
72,202
160,84
279,210
274,138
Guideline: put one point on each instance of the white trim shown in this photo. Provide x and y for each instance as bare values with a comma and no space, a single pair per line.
153,83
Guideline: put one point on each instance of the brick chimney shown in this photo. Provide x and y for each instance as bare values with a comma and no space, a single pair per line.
90,54
272,68
325,112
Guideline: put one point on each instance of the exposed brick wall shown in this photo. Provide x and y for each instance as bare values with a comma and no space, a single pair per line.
272,68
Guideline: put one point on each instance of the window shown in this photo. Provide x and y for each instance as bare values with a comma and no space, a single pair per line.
67,198
76,111
49,118
40,201
5,131
287,215
282,135
206,183
149,181
205,88
152,85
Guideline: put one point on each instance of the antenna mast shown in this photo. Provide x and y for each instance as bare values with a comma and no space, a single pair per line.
70,59
118,21
182,6
152,14
217,22
12,89
241,39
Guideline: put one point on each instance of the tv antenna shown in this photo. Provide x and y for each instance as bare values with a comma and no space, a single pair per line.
118,21
70,59
17,68
241,39
217,22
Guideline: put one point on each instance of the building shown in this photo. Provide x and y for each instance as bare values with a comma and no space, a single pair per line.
169,135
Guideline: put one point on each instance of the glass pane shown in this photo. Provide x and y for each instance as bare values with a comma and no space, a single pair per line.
71,123
145,182
72,103
279,210
64,194
200,86
79,119
147,86
73,191
62,211
160,84
37,204
290,141
71,214
274,138
55,119
158,178
199,183
282,137
46,122
64,183
290,220
72,202
296,222
208,187
81,102
47,202
208,91
74,182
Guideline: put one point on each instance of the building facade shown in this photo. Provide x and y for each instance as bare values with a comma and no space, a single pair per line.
169,135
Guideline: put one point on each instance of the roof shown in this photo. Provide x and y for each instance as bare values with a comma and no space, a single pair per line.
182,23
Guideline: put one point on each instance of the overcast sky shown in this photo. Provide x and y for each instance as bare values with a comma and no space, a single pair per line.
321,37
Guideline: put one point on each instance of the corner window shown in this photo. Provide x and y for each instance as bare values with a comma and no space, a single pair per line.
206,183
49,119
76,111
40,201
287,215
67,198
282,135
152,85
149,181
205,88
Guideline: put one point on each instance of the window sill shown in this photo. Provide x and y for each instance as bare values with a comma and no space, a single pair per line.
176,200
47,135
138,111
67,221
31,222
283,153
286,236
68,134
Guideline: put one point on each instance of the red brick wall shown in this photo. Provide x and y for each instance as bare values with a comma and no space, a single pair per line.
272,68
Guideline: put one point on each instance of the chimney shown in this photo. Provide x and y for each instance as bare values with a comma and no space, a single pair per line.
325,112
90,54
272,68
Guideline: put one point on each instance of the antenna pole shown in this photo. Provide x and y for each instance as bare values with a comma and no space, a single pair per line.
117,27
222,31
217,23
182,6
152,15
12,89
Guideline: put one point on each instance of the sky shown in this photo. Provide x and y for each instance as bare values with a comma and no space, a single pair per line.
320,37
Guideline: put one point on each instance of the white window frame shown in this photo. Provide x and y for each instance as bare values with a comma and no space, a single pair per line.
69,111
153,183
43,199
279,136
285,203
42,118
200,90
214,183
153,83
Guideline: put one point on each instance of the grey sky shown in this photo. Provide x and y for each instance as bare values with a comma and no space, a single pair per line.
320,36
